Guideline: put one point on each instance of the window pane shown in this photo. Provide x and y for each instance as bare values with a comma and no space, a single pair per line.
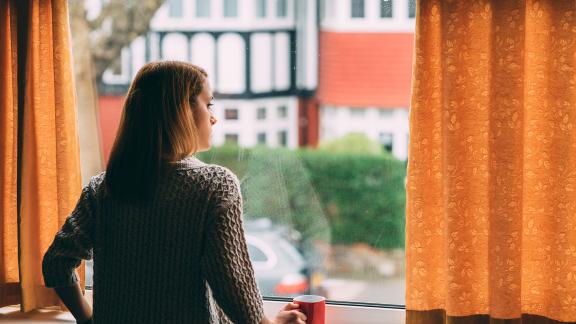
261,113
256,255
202,8
386,8
231,138
282,112
230,8
357,7
281,8
175,8
282,138
231,114
261,8
318,108
411,8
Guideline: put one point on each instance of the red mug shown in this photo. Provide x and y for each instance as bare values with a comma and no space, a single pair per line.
314,307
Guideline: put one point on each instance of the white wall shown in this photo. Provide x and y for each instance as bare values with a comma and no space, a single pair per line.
248,126
336,122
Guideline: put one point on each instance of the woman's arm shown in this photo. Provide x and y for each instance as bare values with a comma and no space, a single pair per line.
71,245
75,302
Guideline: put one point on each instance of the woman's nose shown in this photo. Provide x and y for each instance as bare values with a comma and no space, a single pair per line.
213,120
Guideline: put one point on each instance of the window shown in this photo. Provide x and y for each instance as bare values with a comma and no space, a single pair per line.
261,8
357,7
256,255
387,141
231,114
281,8
175,8
299,188
282,112
231,138
386,8
283,138
261,138
261,113
230,8
411,8
385,112
202,8
358,112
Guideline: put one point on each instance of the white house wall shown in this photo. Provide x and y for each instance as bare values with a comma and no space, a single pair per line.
248,126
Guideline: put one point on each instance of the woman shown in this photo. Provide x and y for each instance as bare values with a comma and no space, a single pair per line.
164,228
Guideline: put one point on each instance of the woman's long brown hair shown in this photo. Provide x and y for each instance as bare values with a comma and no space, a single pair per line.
157,127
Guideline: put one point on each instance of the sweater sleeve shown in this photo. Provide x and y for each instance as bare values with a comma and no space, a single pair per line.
71,244
226,263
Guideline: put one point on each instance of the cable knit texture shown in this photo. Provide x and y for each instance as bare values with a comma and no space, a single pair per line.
179,258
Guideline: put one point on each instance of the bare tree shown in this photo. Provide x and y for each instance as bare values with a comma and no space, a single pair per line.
97,43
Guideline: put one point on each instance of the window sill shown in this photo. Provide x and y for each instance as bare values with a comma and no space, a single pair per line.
335,314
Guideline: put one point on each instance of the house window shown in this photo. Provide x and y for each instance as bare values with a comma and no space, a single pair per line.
175,8
385,8
385,112
358,112
261,138
283,138
357,7
261,8
231,114
411,8
282,112
202,8
261,113
387,141
230,8
231,138
281,8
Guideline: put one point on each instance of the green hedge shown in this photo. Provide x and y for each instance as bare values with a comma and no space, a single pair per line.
337,197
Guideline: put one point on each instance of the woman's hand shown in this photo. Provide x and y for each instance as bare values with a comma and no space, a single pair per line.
290,315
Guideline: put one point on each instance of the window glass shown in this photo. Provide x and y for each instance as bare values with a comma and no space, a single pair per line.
411,8
231,138
202,8
281,8
175,8
231,114
386,8
357,8
261,113
261,8
282,138
282,112
322,144
230,8
256,255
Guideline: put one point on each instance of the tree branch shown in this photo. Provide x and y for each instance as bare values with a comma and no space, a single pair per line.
118,25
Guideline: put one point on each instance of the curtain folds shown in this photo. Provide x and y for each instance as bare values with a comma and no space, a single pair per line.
42,171
491,187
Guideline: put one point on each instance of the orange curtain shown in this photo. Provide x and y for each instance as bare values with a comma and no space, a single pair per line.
48,170
491,187
9,278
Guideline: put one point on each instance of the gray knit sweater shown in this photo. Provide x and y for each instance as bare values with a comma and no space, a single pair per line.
179,258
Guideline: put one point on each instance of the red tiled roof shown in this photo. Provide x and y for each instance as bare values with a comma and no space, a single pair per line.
365,69
110,112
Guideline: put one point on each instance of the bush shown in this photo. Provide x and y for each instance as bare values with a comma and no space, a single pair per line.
337,197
